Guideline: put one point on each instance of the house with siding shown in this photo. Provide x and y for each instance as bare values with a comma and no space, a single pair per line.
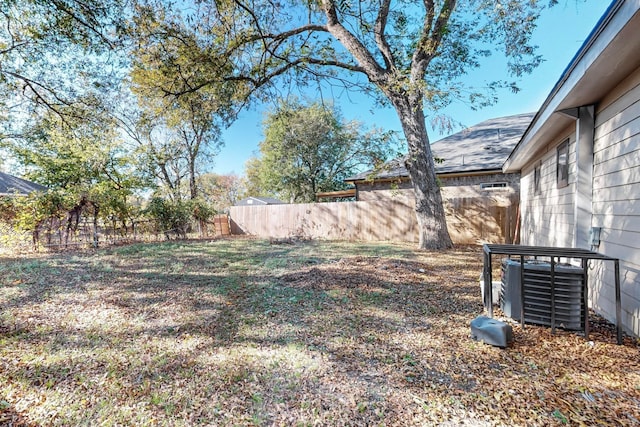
579,161
481,201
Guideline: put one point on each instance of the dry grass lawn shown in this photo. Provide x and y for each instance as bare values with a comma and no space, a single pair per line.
245,332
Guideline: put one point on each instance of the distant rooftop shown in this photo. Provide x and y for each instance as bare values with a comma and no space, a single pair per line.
483,147
259,201
12,185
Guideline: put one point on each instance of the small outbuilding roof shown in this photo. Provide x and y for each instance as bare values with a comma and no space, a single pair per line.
480,148
12,185
259,201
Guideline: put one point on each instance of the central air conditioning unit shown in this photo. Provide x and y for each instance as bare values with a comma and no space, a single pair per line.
568,307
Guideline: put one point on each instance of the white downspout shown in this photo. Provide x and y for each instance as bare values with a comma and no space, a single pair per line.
583,203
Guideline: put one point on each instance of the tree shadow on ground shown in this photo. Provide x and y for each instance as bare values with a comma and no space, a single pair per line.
272,334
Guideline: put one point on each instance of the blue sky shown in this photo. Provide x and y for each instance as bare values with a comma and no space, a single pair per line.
560,33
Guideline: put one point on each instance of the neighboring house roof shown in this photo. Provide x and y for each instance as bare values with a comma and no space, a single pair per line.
483,147
12,185
608,55
259,201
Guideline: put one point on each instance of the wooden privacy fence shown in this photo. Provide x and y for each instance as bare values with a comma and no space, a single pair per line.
473,220
469,221
221,225
331,221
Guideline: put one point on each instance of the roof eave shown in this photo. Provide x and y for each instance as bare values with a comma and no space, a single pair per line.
452,174
586,80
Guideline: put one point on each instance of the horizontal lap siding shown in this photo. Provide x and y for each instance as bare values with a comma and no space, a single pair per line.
548,217
616,202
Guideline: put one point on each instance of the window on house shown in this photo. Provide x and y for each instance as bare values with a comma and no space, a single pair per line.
537,189
493,185
562,164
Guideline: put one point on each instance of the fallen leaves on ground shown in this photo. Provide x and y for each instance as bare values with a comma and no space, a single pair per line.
243,332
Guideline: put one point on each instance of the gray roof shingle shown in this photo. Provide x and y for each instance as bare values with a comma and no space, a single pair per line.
259,201
11,185
482,147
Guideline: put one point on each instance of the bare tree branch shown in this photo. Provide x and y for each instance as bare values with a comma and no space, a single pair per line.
379,31
430,38
374,71
91,27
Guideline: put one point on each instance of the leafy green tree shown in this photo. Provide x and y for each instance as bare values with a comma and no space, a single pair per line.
30,213
174,217
155,151
199,136
177,140
256,179
63,69
410,55
171,151
84,166
309,148
163,58
60,61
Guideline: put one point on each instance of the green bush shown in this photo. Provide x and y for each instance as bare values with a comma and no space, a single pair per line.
171,217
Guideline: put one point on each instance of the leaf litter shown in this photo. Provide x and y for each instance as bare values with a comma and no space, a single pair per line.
244,332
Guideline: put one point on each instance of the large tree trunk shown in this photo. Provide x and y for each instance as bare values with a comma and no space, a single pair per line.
432,224
193,188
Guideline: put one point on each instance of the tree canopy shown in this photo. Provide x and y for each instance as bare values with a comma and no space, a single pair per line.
80,111
57,54
310,148
221,191
410,55
213,57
